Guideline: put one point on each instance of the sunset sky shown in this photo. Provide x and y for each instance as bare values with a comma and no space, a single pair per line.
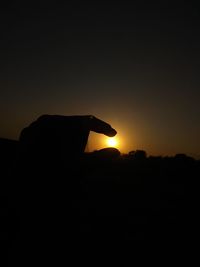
136,66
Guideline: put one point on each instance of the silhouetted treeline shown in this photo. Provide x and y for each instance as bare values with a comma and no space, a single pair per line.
103,199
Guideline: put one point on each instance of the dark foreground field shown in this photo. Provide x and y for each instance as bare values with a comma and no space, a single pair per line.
101,202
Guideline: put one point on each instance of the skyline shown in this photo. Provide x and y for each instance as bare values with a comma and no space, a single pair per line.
132,65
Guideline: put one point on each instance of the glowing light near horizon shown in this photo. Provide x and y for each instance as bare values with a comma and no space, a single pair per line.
112,142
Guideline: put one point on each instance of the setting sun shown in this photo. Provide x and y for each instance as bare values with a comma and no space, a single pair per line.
112,142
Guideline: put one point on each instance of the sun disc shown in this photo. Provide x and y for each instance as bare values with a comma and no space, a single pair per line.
112,142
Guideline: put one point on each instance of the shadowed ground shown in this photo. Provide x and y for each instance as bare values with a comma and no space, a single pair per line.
103,200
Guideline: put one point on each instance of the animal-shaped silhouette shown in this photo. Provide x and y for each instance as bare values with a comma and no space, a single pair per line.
58,136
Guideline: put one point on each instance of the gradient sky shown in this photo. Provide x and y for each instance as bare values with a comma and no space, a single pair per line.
135,66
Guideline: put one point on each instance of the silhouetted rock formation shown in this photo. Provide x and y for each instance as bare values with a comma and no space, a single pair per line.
107,153
56,137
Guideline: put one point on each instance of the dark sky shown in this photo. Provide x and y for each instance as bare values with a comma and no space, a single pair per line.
134,65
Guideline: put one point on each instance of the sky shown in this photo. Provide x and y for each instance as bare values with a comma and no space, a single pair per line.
132,64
